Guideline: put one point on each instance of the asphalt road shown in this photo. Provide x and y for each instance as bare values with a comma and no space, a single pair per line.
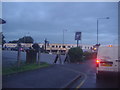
53,77
88,80
58,76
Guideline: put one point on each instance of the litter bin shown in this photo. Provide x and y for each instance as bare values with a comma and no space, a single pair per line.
31,55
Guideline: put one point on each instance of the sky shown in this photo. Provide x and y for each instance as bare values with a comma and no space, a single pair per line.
42,20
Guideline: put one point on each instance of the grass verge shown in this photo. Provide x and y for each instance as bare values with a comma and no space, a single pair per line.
26,67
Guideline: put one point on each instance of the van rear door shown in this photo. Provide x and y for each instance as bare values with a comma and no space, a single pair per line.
108,57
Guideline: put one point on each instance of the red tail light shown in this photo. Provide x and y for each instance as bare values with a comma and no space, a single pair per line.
97,62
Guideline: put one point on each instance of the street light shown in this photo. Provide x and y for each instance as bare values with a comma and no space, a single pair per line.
63,35
63,39
97,25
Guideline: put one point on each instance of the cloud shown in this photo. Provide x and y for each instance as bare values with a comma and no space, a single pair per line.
48,20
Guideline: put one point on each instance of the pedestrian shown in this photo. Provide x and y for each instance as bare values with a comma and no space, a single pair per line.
67,59
58,57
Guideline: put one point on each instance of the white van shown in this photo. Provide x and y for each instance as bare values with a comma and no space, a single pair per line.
107,60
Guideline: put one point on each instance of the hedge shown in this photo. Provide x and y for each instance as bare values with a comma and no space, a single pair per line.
75,54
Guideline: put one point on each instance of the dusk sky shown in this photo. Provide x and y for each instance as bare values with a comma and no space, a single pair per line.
48,20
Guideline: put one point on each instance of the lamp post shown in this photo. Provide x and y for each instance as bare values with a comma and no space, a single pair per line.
63,35
98,24
63,38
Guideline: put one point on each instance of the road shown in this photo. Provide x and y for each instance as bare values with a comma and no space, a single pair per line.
59,76
88,71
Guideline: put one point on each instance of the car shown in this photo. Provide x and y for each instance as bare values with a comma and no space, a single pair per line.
14,49
108,61
23,49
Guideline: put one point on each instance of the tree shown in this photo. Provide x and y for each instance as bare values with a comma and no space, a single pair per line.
14,41
26,39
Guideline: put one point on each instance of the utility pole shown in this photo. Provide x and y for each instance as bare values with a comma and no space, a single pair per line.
64,35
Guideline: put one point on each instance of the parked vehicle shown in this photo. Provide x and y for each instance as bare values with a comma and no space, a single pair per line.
14,49
108,61
21,49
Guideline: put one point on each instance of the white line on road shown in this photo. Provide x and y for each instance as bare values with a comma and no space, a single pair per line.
83,81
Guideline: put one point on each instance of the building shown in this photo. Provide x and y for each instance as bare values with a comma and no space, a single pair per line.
51,47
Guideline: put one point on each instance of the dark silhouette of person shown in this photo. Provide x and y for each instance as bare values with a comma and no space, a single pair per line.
57,57
66,58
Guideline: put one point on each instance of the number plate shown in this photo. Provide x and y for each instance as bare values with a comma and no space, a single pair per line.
106,64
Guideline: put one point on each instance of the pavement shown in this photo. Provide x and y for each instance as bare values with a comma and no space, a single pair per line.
55,76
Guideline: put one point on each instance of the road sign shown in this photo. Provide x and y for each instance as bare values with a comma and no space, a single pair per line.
78,36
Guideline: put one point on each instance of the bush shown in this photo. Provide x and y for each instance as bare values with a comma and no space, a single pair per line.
89,55
75,54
